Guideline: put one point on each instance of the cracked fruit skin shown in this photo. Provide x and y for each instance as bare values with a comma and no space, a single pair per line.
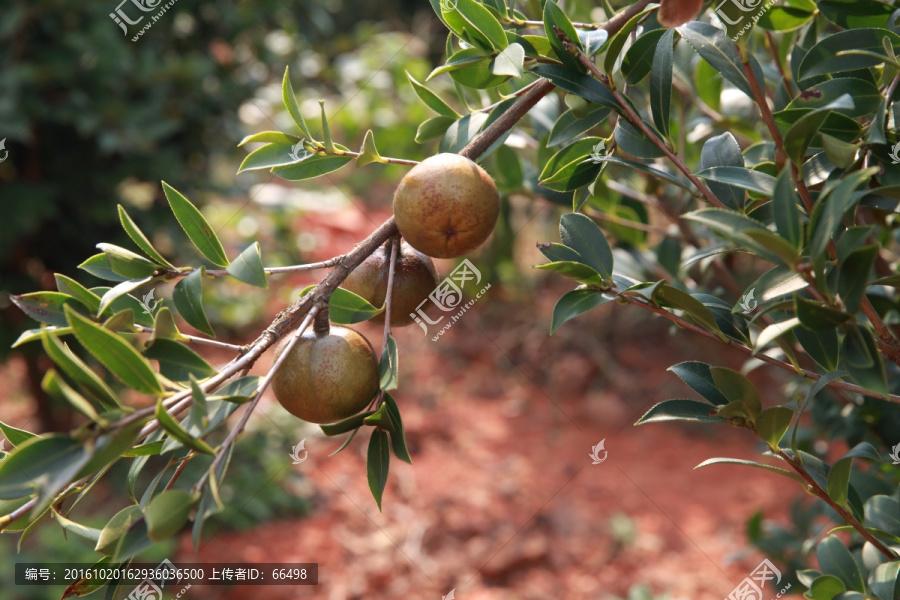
446,206
414,278
326,378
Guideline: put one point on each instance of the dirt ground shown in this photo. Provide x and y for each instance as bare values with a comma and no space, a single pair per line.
502,501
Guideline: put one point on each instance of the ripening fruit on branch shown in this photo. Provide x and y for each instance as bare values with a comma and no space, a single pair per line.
414,278
328,376
446,206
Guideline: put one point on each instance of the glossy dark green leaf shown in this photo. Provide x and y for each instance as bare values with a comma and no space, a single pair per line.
723,151
855,14
829,55
839,482
116,528
661,81
817,315
634,142
115,354
239,390
45,307
672,296
698,377
883,580
208,502
661,175
273,155
638,59
390,370
345,425
582,234
198,230
167,513
826,587
737,388
835,559
681,410
15,436
558,252
509,62
178,362
99,266
786,209
619,39
188,299
398,436
378,460
346,308
883,512
270,137
866,98
714,46
822,346
568,126
748,179
853,276
433,128
784,18
56,386
126,263
86,297
862,359
575,303
828,212
248,267
573,270
803,130
746,232
576,82
380,418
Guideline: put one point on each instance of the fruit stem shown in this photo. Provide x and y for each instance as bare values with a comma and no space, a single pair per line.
321,326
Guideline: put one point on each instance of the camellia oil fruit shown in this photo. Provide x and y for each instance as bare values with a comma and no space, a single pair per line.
328,376
446,206
414,279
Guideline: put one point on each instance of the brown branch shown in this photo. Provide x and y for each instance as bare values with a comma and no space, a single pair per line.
888,342
785,78
843,512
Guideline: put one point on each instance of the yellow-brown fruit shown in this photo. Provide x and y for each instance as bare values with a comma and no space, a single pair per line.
414,278
328,377
446,206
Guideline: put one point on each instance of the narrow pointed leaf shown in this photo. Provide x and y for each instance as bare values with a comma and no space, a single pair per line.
196,227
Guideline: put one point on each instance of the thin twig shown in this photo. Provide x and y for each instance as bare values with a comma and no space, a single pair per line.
843,512
199,340
540,24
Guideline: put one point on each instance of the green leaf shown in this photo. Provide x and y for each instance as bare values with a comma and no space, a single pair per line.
583,235
568,126
638,59
472,18
803,130
862,359
248,267
708,84
270,137
196,227
829,56
209,502
509,62
723,151
716,48
618,40
738,389
346,308
883,580
66,285
774,332
127,263
178,362
99,266
555,17
825,587
390,373
55,385
433,128
853,276
313,165
866,98
174,429
188,299
273,155
750,463
290,103
681,410
431,99
558,252
41,464
574,303
135,233
380,418
662,175
853,14
570,168
698,377
119,290
661,81
575,82
818,315
578,271
676,298
368,153
785,18
398,436
835,559
634,142
839,481
746,232
83,531
772,423
115,354
378,461
786,209
15,436
883,512
167,513
347,424
116,529
44,307
822,346
471,68
828,212
748,179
